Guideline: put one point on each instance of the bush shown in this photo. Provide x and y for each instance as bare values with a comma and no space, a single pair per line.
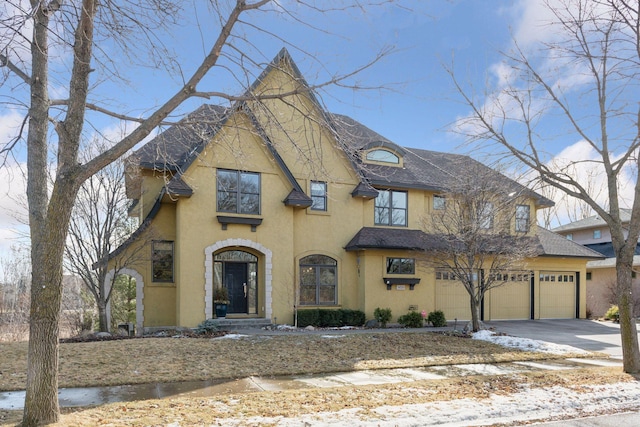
437,319
207,327
310,317
330,318
352,317
412,319
382,316
612,313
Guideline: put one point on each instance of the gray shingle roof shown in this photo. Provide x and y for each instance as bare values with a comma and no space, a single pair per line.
546,243
592,222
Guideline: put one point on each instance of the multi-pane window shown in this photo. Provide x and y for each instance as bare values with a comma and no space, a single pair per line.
597,234
439,202
318,280
523,218
162,260
318,196
391,208
485,216
238,192
401,266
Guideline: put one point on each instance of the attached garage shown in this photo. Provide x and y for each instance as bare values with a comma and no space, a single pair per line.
452,297
557,295
512,300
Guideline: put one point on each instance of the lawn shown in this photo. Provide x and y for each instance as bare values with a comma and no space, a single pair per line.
151,360
148,360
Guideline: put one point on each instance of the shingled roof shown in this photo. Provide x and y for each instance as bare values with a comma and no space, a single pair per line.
591,222
545,243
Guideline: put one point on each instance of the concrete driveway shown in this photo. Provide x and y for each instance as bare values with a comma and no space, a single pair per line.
588,335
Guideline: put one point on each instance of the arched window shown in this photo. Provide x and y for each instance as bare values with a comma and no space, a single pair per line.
383,156
318,280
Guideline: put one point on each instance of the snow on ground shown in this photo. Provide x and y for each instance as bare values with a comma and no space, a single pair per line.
526,343
232,336
533,404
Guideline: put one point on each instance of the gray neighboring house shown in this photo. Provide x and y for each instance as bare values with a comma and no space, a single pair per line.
594,234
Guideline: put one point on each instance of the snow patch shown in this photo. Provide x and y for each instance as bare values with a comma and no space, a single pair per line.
526,344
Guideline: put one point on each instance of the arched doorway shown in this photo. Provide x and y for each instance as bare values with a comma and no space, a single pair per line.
237,270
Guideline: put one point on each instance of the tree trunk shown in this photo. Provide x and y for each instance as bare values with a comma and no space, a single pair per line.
475,314
628,331
102,317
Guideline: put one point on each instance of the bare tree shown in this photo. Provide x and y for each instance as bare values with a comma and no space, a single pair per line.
14,294
584,83
473,242
99,224
63,63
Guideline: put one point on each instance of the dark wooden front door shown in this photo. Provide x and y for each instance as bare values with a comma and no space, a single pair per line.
236,283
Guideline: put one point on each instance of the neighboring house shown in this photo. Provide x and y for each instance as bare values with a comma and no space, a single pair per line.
289,206
593,233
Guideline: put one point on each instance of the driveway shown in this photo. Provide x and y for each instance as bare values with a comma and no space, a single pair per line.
588,335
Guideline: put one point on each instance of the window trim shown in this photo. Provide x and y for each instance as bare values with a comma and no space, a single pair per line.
391,209
238,192
322,197
154,261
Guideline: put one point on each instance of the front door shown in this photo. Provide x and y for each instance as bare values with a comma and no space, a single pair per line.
236,282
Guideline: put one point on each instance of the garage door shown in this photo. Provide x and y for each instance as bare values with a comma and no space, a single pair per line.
557,295
452,298
512,300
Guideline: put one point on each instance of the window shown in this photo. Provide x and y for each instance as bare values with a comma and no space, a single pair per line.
522,218
439,202
391,208
569,236
238,192
588,275
383,156
318,196
162,261
597,234
318,280
485,216
401,266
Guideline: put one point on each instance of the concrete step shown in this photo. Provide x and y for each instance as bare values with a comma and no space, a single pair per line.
233,324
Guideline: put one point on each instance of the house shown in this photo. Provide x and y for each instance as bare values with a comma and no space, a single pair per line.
593,232
289,206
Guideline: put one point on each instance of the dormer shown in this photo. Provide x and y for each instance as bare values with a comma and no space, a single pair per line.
383,153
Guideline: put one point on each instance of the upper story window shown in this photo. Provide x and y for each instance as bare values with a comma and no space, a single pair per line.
318,196
391,208
485,216
162,260
523,218
569,236
597,234
383,156
439,202
238,192
401,266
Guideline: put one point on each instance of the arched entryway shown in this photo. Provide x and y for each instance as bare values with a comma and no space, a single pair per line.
237,271
109,278
233,261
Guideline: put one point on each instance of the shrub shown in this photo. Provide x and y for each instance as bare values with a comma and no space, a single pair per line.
352,317
382,316
412,319
330,318
207,327
612,313
437,319
309,317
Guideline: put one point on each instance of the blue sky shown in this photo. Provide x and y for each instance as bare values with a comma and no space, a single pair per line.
412,101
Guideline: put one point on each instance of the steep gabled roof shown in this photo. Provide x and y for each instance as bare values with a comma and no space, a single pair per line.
559,246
